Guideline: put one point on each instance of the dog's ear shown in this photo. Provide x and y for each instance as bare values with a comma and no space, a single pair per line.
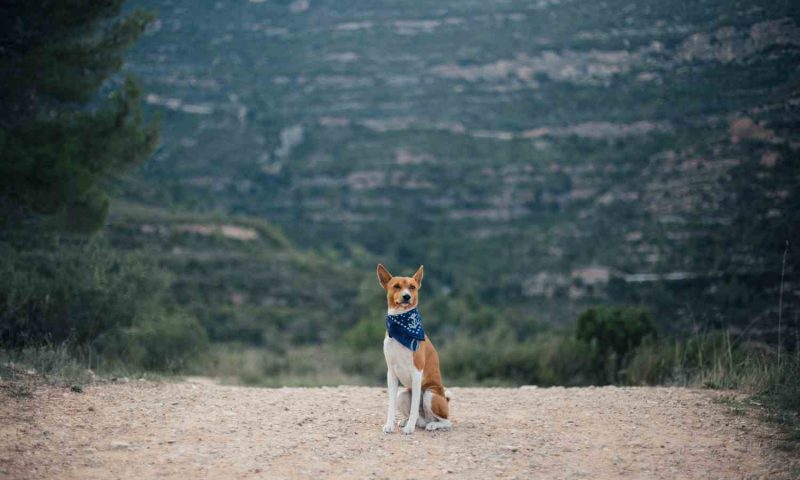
383,275
418,275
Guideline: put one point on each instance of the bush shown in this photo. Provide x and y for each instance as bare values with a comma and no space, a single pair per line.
613,333
108,307
299,366
563,360
56,363
73,293
486,358
615,329
497,358
713,359
361,351
165,343
367,333
654,363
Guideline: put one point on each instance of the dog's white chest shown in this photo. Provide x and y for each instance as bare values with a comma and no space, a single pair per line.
399,360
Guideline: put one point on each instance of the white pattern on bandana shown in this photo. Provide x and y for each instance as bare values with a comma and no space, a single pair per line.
406,328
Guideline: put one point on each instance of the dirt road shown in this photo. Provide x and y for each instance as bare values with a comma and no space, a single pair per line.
142,430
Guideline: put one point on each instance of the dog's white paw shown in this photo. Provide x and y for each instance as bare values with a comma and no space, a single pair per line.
388,428
441,425
409,428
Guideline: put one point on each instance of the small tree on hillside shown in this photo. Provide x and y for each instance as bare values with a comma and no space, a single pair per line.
614,332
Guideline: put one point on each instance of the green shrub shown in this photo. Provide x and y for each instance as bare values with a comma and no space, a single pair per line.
56,363
300,366
615,329
361,349
654,363
73,293
785,388
484,359
713,359
564,360
497,358
164,343
613,333
106,308
367,333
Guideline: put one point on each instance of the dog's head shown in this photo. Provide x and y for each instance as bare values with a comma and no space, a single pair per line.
402,293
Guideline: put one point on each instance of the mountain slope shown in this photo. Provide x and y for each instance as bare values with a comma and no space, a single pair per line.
241,277
530,152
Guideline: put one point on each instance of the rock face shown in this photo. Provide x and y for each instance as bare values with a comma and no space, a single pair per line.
516,139
731,44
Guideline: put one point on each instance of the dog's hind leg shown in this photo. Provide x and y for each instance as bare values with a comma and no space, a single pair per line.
404,407
423,419
437,411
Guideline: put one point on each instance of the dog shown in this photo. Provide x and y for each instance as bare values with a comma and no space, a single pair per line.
411,359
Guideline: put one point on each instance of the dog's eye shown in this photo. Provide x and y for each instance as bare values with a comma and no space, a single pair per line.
397,287
412,287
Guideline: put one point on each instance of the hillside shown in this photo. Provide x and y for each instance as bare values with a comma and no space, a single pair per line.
200,430
241,278
529,152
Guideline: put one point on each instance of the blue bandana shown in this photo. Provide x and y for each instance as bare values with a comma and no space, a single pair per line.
406,328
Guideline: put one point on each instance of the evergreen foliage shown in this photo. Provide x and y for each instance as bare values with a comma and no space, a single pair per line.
68,124
615,330
58,143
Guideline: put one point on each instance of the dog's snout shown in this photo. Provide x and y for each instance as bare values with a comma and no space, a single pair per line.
406,297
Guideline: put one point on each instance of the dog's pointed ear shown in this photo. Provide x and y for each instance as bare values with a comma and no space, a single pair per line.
418,275
383,275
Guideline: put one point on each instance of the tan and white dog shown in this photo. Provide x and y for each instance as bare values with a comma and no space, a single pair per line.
424,402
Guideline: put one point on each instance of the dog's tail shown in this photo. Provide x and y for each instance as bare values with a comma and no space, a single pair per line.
448,395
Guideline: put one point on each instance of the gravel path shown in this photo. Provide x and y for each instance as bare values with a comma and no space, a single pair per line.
144,430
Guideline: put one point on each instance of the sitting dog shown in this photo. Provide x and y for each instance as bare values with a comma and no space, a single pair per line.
411,359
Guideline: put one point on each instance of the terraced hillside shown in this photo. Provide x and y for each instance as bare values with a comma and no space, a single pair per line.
527,152
241,278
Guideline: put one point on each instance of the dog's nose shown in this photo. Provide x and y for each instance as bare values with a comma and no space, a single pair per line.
406,297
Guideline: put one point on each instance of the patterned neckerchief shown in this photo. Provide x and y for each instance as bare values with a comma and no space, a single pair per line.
406,328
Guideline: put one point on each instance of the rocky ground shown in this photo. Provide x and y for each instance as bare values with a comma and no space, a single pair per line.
197,429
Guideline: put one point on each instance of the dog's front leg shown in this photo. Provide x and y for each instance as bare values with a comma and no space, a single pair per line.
391,386
413,415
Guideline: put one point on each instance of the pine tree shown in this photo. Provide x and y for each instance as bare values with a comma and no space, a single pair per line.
59,141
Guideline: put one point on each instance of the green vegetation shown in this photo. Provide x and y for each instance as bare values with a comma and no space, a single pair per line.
600,198
57,140
240,277
61,145
607,345
508,145
721,362
613,334
91,297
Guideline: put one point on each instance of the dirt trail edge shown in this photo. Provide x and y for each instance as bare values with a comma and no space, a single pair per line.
142,430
